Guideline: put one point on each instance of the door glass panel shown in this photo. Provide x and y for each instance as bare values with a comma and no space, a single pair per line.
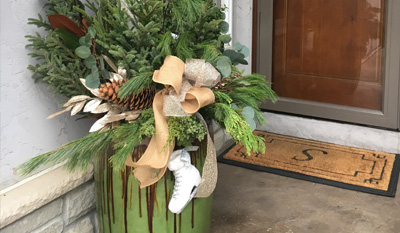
329,51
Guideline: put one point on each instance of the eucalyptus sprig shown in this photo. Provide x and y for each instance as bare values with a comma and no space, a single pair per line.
84,51
232,57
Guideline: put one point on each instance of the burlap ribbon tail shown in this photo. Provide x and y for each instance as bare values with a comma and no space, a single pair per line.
153,163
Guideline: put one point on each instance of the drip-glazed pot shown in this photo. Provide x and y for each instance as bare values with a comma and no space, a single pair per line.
123,207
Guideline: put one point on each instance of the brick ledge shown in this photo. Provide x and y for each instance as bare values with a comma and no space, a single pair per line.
38,190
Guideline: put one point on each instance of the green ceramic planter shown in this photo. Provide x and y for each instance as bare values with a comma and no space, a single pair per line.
123,207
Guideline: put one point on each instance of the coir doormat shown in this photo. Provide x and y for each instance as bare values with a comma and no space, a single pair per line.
346,167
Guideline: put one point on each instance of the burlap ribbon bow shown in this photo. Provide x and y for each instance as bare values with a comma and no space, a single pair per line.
153,163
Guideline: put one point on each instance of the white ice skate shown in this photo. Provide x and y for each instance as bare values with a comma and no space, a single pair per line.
187,180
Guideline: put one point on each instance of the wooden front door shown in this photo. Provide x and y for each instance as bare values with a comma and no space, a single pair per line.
329,51
331,58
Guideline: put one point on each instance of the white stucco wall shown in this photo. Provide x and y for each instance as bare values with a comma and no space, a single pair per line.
25,132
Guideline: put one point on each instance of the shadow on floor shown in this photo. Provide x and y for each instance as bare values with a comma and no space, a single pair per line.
247,201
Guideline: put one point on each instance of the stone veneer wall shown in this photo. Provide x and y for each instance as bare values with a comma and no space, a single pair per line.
74,212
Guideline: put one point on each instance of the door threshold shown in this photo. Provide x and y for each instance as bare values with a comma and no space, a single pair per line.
364,137
329,120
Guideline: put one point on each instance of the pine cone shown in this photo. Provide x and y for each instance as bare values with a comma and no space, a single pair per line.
140,101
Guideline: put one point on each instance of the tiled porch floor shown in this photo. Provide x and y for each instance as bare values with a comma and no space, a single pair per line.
247,201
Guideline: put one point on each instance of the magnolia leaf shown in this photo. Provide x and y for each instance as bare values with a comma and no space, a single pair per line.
132,115
116,77
237,46
102,108
90,61
109,118
77,108
224,27
112,118
60,112
75,99
94,91
83,51
61,21
224,65
92,80
97,125
114,110
101,59
110,63
122,71
92,105
71,40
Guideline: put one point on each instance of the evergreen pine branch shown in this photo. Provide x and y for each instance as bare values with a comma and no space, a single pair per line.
131,48
209,49
209,53
84,14
127,136
92,5
243,91
77,153
185,13
236,126
40,22
165,45
184,47
250,90
65,7
209,13
146,12
136,85
57,65
222,97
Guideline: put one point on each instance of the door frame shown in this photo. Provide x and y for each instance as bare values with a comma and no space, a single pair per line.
389,117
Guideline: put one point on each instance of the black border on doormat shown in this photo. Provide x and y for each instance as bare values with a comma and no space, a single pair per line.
391,192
